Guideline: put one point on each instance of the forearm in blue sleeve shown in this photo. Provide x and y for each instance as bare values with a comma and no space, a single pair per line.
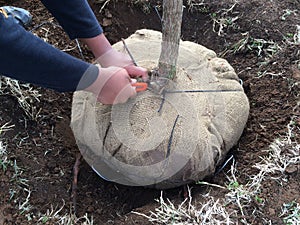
75,16
26,57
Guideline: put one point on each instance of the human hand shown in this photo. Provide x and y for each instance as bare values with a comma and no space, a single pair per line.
114,58
112,86
107,56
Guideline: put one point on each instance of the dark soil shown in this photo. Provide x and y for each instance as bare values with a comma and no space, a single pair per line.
45,149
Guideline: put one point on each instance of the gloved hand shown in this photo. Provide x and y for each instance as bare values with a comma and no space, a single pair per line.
114,58
112,86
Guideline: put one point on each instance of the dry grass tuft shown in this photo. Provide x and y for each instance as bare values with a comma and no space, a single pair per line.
283,154
212,211
56,216
26,95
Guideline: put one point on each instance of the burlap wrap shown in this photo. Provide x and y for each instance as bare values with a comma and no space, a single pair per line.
134,144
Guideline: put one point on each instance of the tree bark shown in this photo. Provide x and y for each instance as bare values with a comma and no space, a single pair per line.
171,31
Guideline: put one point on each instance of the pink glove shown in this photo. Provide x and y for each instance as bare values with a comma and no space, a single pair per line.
112,86
114,58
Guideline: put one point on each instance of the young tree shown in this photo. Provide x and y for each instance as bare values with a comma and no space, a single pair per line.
171,31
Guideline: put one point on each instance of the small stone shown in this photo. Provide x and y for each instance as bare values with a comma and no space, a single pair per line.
51,165
296,73
108,14
106,22
90,209
291,169
272,211
99,211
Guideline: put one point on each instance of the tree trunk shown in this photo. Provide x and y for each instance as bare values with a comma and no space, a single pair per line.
171,31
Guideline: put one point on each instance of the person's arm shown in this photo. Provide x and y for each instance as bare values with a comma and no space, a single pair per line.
79,21
26,57
75,16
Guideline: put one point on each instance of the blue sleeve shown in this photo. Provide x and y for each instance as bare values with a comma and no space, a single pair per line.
75,16
26,57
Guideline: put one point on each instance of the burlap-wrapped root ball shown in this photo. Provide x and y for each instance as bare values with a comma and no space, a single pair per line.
164,141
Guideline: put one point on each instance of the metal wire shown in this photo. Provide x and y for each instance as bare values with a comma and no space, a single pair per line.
199,91
224,164
171,137
158,14
129,53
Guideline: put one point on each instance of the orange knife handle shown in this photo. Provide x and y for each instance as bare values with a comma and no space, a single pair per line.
140,86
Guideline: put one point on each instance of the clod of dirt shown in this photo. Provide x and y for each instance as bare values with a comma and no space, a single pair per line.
108,14
106,22
296,73
291,169
168,140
